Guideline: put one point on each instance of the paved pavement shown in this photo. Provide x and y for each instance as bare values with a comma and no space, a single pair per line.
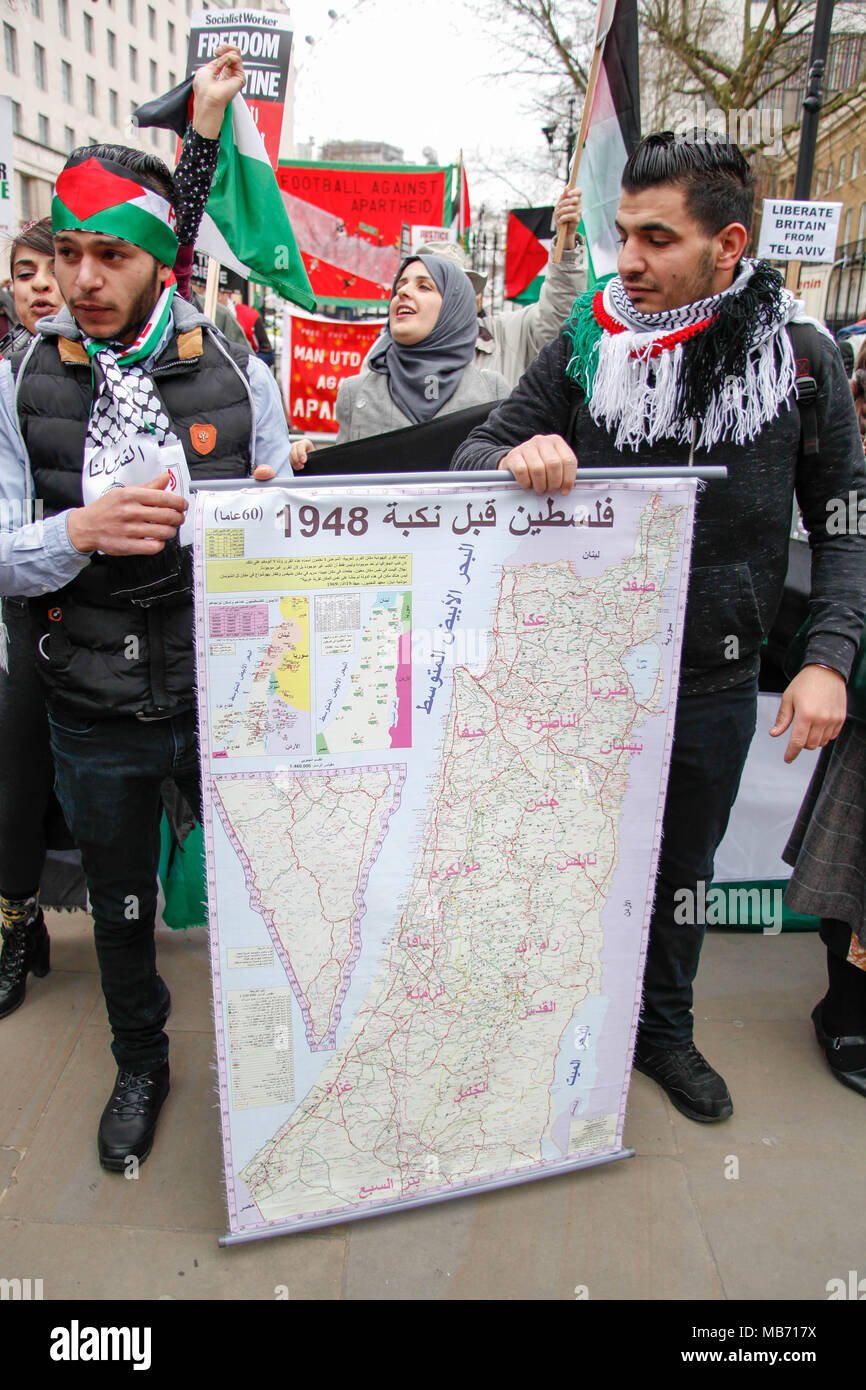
767,1205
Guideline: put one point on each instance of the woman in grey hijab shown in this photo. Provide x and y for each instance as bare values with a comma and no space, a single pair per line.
421,365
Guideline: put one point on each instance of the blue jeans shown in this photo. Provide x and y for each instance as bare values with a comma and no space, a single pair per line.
711,740
109,773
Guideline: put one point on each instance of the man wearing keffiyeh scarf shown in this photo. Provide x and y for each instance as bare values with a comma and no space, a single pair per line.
125,369
686,356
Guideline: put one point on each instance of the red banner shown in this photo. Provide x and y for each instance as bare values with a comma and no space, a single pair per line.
348,220
317,355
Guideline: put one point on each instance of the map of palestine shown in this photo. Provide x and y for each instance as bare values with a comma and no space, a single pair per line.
306,843
444,1074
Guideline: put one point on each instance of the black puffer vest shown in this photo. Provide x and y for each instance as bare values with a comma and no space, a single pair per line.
100,654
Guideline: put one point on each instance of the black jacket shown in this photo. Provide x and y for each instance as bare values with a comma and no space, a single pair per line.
99,652
742,522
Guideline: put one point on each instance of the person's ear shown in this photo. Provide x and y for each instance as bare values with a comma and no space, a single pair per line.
730,245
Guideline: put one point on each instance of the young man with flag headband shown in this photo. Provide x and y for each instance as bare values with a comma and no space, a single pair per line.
120,399
687,355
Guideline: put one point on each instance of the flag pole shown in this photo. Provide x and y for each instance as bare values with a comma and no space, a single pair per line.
591,83
211,288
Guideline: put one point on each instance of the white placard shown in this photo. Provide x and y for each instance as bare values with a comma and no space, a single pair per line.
135,462
428,236
804,231
8,220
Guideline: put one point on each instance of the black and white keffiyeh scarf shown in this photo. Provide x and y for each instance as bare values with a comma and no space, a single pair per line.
719,368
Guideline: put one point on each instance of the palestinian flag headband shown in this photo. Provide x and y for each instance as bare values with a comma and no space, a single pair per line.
99,195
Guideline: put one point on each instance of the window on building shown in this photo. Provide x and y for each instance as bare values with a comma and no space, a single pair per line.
36,8
39,65
113,108
111,44
861,226
10,45
154,137
68,139
63,17
855,163
829,183
133,63
842,163
44,131
16,118
154,77
151,22
88,32
170,37
66,81
91,97
172,80
130,11
846,234
34,197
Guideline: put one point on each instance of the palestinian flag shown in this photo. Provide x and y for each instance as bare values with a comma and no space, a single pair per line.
612,133
527,248
245,226
462,216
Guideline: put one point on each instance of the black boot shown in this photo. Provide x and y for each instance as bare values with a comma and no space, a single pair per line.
25,947
128,1122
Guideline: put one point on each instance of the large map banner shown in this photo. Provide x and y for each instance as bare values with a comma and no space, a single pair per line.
435,728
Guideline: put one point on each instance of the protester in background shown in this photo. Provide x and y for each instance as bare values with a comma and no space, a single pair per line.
27,802
828,851
223,316
253,326
421,365
846,352
858,391
214,86
34,288
7,309
508,341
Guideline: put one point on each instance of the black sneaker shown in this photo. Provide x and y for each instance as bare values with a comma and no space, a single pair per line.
690,1082
24,948
129,1119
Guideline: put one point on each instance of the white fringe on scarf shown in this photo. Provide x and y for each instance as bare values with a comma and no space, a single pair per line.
639,411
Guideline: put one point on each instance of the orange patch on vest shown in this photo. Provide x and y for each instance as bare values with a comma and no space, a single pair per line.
203,437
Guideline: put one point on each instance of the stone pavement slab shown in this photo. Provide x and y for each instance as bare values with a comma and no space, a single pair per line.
761,1207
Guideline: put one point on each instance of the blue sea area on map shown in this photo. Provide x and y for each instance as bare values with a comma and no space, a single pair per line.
642,665
576,1070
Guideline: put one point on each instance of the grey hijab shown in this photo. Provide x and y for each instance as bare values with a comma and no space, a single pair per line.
421,378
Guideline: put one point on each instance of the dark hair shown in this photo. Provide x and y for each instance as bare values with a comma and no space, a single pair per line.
715,177
36,236
149,169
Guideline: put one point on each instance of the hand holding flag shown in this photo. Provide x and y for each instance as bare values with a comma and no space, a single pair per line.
214,86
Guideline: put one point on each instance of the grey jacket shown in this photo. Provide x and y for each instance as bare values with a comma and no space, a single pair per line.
364,404
518,335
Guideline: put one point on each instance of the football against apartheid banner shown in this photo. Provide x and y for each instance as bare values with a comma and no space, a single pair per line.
317,355
348,221
435,730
